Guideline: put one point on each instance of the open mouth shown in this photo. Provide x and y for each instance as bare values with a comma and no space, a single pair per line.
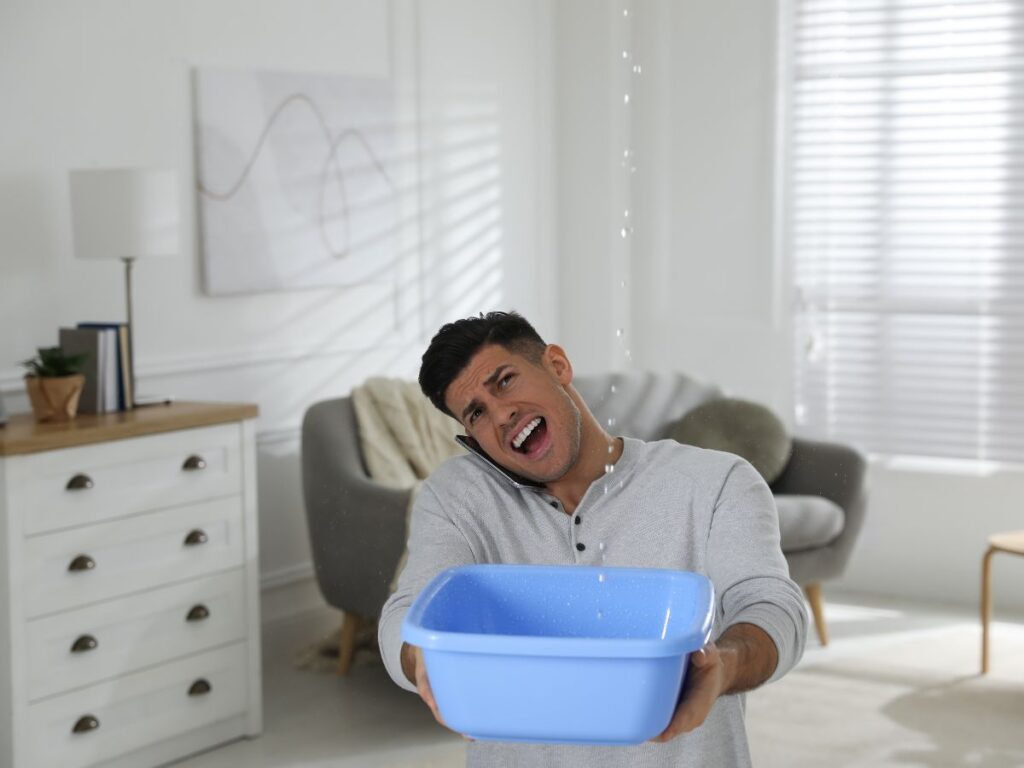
531,437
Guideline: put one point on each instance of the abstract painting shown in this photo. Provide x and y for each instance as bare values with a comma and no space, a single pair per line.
301,181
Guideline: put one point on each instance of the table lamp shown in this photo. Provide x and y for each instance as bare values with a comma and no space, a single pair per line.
127,214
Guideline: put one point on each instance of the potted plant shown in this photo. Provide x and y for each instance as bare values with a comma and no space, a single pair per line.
54,383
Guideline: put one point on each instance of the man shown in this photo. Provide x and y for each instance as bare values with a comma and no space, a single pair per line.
563,492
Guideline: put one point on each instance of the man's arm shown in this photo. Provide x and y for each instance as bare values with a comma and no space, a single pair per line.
760,607
744,560
434,545
749,657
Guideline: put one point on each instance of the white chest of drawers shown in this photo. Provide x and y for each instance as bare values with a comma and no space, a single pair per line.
129,604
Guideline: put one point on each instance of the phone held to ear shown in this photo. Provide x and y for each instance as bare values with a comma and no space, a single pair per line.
473,447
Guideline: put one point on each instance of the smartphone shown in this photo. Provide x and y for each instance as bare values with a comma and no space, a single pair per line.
473,447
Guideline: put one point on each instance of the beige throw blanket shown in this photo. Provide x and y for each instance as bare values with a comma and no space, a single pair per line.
403,437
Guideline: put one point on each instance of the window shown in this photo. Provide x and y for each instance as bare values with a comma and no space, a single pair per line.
905,201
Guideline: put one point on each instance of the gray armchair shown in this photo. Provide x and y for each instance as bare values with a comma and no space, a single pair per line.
357,526
820,495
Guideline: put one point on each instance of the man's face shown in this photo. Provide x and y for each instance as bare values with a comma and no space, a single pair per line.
519,411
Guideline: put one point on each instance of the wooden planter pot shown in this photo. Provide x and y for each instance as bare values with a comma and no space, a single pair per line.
56,398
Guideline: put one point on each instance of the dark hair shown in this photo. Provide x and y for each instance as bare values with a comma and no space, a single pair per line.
454,345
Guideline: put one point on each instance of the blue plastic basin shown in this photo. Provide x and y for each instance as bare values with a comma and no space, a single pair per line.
559,654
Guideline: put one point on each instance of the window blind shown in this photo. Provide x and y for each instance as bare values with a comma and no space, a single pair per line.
905,201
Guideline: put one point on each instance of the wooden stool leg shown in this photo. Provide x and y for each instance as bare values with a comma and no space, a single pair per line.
986,605
350,626
813,592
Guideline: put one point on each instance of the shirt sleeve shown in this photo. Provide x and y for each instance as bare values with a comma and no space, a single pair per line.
750,573
435,544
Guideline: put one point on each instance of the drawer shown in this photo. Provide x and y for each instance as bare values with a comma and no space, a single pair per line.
124,477
136,710
77,648
70,569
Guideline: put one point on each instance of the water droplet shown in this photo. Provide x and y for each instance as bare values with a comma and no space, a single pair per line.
625,54
625,213
638,69
625,12
611,421
622,284
600,615
600,578
611,449
601,546
614,389
632,169
625,98
609,468
626,153
629,355
619,332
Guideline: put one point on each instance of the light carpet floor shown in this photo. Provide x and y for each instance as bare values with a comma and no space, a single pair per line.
897,686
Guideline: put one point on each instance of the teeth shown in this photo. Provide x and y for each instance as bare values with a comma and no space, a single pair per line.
527,431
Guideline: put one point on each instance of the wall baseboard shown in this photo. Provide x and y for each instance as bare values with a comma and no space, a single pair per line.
288,592
284,577
290,599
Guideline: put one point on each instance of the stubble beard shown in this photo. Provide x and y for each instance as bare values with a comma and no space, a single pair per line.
575,434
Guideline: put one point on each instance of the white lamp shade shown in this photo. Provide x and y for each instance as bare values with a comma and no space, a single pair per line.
119,212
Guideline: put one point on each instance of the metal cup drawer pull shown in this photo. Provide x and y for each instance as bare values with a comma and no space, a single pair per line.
198,613
85,724
82,563
200,687
84,643
196,537
79,482
194,462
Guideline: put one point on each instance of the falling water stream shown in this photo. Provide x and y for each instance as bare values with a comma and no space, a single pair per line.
630,69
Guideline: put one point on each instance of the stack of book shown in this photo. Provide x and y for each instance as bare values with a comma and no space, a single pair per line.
108,381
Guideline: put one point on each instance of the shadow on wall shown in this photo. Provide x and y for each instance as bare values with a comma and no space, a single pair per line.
457,252
456,246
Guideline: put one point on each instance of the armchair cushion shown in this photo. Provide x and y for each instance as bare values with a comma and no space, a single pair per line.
738,426
808,522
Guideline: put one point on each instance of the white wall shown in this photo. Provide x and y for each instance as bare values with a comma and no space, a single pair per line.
108,84
701,271
707,285
586,123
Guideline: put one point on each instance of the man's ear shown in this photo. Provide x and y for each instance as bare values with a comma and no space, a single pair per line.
558,363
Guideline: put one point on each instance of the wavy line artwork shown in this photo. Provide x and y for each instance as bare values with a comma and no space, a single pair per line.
330,160
264,235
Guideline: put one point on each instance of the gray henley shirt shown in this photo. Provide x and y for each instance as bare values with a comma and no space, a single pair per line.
665,505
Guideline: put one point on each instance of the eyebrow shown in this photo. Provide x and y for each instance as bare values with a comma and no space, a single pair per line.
474,403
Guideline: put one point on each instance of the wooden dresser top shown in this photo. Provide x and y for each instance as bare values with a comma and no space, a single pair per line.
23,434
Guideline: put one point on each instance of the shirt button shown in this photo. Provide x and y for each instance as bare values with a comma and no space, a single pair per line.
577,520
581,546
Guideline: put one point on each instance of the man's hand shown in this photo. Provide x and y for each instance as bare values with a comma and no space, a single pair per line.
416,671
705,682
742,659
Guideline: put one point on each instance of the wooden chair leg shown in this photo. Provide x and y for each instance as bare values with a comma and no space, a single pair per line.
986,606
813,592
350,626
